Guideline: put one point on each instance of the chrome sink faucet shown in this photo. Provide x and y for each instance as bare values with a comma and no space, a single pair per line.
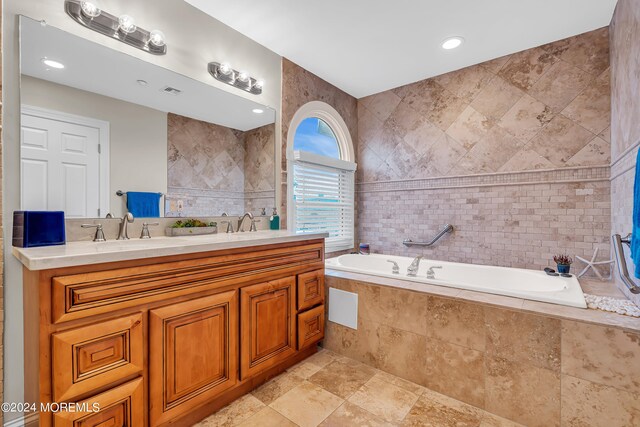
228,222
241,222
430,273
123,233
412,270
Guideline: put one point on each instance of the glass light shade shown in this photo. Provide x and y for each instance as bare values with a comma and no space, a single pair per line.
156,38
127,24
90,9
225,69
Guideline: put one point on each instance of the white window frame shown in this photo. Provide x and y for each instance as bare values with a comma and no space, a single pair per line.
328,114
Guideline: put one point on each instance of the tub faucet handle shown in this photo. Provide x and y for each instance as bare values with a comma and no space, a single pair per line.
394,269
430,273
412,270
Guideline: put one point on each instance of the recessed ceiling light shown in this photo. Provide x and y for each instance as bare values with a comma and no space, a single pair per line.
52,64
258,110
452,43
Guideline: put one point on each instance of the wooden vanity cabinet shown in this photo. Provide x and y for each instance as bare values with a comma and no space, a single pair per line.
168,341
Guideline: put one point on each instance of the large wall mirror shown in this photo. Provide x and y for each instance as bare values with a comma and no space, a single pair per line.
98,125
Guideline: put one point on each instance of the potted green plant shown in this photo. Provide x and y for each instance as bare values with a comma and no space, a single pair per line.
191,227
563,262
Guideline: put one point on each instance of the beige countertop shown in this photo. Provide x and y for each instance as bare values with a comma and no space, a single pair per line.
589,286
85,253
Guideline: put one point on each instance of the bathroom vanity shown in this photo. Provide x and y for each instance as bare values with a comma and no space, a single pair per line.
167,331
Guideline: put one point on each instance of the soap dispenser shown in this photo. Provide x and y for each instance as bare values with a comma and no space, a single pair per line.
274,220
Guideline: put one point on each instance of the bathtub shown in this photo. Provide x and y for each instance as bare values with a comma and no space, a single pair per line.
514,282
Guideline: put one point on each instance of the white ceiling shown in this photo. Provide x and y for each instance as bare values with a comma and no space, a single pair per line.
99,69
368,46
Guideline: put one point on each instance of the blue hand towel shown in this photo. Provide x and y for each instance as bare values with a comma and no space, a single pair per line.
144,205
635,237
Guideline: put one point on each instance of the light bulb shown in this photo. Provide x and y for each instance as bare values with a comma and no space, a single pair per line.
259,84
156,38
452,43
258,110
225,69
243,76
90,9
52,64
127,24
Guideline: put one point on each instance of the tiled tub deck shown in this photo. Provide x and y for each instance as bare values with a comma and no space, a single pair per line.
534,363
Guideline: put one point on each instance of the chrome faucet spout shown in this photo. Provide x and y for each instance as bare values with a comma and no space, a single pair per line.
241,221
412,270
123,234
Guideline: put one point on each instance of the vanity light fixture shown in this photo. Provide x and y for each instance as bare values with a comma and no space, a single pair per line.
122,28
52,64
452,42
241,79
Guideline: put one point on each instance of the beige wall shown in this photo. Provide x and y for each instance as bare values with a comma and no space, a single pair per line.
543,108
625,117
513,152
138,135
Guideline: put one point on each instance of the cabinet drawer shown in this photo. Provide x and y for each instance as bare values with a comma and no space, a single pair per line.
122,406
95,356
310,327
86,294
310,289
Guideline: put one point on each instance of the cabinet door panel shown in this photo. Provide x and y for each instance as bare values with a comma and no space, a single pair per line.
268,325
310,289
97,355
193,354
122,406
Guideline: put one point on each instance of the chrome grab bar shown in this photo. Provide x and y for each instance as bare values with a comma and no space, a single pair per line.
448,228
622,263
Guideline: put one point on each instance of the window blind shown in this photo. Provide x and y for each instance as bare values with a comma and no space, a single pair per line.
323,201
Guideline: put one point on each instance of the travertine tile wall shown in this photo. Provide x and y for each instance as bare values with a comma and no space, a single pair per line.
507,225
214,169
259,169
299,86
625,117
544,109
532,369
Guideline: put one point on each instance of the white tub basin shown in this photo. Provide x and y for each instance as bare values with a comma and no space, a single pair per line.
515,282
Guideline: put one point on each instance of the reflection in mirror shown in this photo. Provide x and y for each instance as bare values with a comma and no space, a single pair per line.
96,122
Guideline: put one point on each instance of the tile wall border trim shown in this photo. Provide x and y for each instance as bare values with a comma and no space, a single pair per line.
546,176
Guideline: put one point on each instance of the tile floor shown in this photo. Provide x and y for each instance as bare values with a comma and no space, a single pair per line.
330,390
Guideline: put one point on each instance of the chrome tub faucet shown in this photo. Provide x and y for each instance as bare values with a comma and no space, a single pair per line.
412,270
432,274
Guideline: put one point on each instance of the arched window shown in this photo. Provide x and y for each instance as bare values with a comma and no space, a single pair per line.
321,182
